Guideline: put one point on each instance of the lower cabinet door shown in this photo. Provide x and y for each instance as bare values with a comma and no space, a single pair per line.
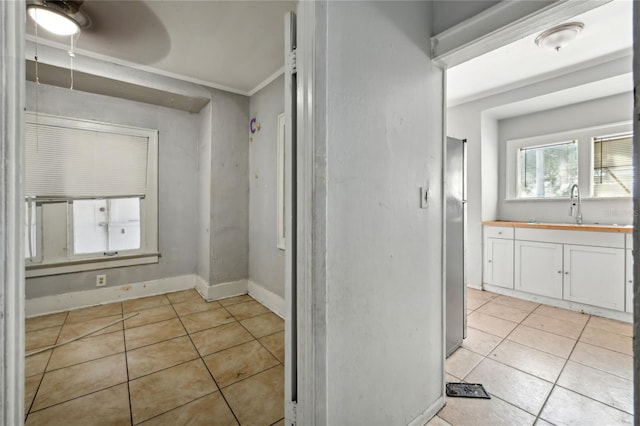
595,276
499,262
538,268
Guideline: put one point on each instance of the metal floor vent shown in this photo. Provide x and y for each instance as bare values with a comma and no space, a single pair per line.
467,390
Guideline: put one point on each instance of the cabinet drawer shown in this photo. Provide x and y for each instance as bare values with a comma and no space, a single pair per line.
505,232
586,238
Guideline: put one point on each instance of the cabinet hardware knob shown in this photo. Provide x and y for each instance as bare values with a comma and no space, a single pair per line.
630,281
499,233
489,261
566,273
559,272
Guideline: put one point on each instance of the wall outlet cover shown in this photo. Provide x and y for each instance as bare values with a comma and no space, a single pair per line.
101,280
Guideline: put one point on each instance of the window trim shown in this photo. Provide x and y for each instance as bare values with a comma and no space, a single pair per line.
584,137
547,145
148,252
281,181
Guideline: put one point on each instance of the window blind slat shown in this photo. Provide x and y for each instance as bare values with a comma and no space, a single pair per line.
67,163
612,166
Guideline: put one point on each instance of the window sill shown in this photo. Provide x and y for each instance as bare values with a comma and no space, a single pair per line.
68,267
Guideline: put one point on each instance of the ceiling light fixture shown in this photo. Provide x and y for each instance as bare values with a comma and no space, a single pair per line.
559,36
61,17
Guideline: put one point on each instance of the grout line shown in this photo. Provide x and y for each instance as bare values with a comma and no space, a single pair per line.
126,365
76,397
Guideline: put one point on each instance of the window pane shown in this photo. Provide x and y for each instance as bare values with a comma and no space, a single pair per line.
30,253
548,171
106,225
612,166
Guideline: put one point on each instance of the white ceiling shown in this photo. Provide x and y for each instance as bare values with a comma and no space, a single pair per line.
231,45
608,29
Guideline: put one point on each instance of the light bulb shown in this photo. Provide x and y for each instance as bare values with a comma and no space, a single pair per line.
53,22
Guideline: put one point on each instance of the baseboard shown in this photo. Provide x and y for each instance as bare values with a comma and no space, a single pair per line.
222,290
428,414
268,298
83,299
476,286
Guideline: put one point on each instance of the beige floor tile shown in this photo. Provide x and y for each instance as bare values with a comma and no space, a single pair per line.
461,362
541,422
474,303
195,305
524,305
246,310
36,364
438,421
71,331
156,393
258,400
45,321
235,300
134,305
451,378
480,342
503,311
93,312
71,382
480,294
474,412
605,339
541,340
152,358
469,311
153,333
30,388
86,349
263,325
183,296
208,410
151,315
275,344
518,388
562,314
207,319
604,387
568,408
604,359
239,362
611,326
490,324
279,423
529,360
568,329
219,338
41,338
106,407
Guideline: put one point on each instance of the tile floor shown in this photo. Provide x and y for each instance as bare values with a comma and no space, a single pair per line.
541,365
181,360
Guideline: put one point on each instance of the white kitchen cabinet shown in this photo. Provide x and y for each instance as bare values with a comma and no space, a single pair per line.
539,268
594,275
499,262
629,281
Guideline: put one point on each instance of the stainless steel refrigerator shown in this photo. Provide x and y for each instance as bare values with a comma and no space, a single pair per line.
456,289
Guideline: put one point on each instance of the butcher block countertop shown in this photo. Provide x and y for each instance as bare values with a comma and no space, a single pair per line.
563,226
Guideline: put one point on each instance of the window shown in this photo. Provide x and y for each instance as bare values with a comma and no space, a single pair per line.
548,171
597,159
612,166
95,185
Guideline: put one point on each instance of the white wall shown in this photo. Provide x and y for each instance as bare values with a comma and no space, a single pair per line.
384,329
266,261
597,112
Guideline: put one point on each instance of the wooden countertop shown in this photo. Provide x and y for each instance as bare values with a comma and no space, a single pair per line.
564,226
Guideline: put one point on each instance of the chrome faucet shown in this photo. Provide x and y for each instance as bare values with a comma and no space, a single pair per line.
576,204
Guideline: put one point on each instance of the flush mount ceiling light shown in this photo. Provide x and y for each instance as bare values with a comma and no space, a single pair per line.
559,36
61,17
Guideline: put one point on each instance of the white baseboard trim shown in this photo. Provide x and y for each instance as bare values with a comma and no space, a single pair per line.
268,298
476,286
428,414
565,304
221,291
82,299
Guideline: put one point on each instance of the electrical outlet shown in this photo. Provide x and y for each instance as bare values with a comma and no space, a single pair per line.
101,280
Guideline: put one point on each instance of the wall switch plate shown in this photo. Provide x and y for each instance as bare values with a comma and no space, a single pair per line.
424,197
101,280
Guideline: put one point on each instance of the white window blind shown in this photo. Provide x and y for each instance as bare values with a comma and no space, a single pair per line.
72,163
613,166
